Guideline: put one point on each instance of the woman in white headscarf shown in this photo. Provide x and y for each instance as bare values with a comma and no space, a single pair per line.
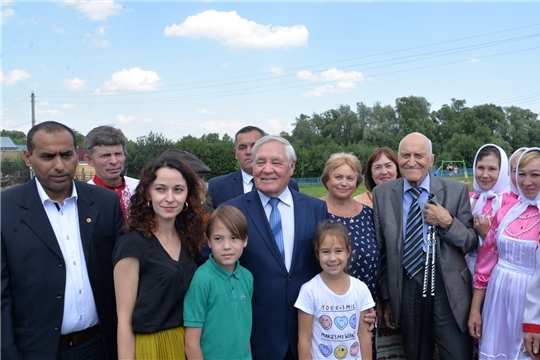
512,171
491,182
505,266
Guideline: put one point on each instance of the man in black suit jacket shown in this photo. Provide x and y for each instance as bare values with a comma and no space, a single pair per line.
57,239
225,187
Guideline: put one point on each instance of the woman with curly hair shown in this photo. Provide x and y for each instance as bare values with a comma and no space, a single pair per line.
154,260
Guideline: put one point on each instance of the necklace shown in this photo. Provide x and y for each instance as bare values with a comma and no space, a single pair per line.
340,214
528,216
515,236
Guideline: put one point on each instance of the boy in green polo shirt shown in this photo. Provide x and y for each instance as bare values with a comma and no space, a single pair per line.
220,293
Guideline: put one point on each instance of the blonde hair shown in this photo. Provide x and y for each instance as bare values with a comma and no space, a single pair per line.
338,159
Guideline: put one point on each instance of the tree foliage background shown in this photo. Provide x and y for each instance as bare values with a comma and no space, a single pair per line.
456,132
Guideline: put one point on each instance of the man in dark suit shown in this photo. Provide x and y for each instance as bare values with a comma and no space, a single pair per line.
225,187
278,270
441,319
57,239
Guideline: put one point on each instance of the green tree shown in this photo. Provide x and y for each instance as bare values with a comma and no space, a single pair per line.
144,150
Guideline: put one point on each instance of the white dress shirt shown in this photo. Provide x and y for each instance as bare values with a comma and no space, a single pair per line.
247,181
79,306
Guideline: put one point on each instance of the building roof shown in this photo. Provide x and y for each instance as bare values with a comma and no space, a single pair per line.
7,144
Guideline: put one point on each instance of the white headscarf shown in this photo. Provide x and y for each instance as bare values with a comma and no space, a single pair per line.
523,203
502,185
512,187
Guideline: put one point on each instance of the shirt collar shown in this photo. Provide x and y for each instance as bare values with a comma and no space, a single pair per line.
101,183
224,274
425,185
285,197
246,177
44,196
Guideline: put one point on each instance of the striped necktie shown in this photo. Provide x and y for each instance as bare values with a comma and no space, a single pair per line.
414,236
275,225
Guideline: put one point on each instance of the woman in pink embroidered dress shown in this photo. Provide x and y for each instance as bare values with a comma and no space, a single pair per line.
505,265
491,182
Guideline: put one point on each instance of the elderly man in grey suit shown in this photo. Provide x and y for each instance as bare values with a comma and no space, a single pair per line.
403,219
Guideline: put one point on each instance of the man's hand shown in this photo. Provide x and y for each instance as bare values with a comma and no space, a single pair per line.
388,317
370,318
436,215
532,344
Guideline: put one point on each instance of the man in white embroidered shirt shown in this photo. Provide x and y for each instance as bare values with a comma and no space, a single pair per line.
57,239
105,148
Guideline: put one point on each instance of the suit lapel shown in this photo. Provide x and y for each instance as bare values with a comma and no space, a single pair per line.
238,184
36,218
88,216
258,216
300,212
397,210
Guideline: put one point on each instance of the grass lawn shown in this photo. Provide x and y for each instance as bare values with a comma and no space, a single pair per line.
319,190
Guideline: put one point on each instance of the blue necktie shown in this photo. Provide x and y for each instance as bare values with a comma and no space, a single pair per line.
275,225
414,236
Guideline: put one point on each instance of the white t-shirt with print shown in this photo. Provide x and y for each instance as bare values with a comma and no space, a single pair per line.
335,318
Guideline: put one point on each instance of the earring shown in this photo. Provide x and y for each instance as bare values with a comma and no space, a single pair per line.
186,205
148,204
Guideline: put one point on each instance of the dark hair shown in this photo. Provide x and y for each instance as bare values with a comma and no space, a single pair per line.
338,230
376,155
104,136
50,127
231,218
489,150
247,129
189,223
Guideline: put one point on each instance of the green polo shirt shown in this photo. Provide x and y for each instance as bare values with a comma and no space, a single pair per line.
219,302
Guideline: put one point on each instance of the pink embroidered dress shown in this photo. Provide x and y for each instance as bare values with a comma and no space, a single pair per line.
506,263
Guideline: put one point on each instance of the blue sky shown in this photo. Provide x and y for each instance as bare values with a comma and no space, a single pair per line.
193,68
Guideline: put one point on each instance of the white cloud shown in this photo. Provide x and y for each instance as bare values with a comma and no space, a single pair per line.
6,15
222,127
237,33
68,106
98,10
236,109
275,126
306,75
133,79
147,119
226,64
204,112
75,84
48,112
125,119
345,81
59,30
101,43
473,60
276,70
101,31
14,77
43,103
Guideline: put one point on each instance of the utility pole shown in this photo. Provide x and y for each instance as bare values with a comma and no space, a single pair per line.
33,101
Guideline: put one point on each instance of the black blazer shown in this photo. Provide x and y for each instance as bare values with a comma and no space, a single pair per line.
34,275
275,319
226,187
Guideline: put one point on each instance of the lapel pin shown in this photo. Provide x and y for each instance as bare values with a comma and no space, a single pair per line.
89,220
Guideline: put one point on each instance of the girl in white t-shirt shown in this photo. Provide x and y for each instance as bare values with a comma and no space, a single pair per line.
332,304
